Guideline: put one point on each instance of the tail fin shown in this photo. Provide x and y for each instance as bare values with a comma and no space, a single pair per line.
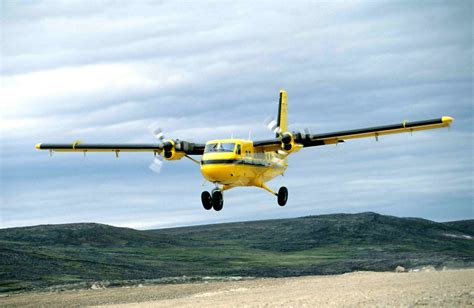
282,121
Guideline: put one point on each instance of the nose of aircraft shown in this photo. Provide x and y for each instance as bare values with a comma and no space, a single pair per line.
214,172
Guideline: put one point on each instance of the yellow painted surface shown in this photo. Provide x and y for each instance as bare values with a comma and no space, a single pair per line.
284,111
250,168
447,119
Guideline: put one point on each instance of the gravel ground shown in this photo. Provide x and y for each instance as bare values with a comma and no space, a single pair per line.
452,288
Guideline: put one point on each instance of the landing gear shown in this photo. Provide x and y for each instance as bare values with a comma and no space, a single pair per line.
215,200
282,196
206,200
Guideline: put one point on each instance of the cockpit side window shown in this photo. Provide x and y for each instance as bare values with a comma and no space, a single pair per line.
227,147
238,151
211,147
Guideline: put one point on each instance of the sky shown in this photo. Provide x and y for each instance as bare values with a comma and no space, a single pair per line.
103,71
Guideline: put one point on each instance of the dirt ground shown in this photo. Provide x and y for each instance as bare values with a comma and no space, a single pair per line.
452,288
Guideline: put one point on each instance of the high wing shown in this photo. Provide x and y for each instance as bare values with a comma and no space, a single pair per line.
188,148
310,140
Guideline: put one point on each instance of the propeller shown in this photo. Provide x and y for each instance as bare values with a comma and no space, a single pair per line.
157,162
272,125
157,131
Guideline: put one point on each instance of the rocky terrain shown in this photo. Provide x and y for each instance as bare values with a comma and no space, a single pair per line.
449,288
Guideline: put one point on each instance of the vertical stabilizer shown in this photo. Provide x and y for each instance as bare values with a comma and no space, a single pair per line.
282,121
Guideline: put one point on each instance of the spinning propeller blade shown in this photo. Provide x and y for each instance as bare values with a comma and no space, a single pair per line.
156,165
157,162
272,125
156,130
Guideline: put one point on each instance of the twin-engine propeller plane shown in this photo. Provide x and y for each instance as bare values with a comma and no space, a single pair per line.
230,163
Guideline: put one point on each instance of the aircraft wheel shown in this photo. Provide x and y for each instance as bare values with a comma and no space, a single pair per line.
217,200
282,196
206,200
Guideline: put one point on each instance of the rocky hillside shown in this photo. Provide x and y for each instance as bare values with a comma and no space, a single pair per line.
47,255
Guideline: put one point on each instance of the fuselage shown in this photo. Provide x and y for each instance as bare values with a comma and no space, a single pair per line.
235,162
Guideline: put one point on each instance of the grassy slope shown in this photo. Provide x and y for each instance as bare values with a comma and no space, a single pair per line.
464,226
54,254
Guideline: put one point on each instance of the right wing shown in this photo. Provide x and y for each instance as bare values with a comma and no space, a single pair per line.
341,136
310,140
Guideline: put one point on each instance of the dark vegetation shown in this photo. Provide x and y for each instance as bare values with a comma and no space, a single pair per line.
43,256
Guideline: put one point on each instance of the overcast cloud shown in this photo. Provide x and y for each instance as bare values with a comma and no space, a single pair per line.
103,71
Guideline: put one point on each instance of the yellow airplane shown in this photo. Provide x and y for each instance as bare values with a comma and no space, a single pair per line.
230,163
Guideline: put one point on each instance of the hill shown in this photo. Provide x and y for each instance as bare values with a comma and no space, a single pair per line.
464,226
42,256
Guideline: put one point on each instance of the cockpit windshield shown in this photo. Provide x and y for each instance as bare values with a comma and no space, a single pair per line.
219,147
227,147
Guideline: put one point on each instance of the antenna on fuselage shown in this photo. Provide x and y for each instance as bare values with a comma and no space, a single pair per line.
250,134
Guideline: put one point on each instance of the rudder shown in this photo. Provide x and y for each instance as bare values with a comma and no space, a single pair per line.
282,121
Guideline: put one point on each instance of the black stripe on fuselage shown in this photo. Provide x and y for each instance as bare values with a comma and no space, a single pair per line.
234,162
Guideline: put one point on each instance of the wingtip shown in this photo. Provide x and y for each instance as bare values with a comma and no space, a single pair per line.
447,119
38,146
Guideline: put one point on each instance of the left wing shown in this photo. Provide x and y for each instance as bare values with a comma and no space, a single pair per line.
184,147
309,140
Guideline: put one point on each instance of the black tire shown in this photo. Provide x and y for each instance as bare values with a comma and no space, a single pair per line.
206,200
282,196
217,200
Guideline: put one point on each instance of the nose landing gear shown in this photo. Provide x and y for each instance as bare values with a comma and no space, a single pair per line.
215,200
206,200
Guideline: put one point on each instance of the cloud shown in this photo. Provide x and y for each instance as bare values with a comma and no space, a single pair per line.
102,73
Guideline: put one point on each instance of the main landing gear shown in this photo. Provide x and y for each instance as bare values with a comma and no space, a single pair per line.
215,201
282,196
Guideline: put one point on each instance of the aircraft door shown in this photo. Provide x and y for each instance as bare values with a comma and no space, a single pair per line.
238,151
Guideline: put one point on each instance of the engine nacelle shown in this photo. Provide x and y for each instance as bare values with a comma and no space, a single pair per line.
171,151
287,142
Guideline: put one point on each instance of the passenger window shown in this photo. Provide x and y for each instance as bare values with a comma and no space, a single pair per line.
238,149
